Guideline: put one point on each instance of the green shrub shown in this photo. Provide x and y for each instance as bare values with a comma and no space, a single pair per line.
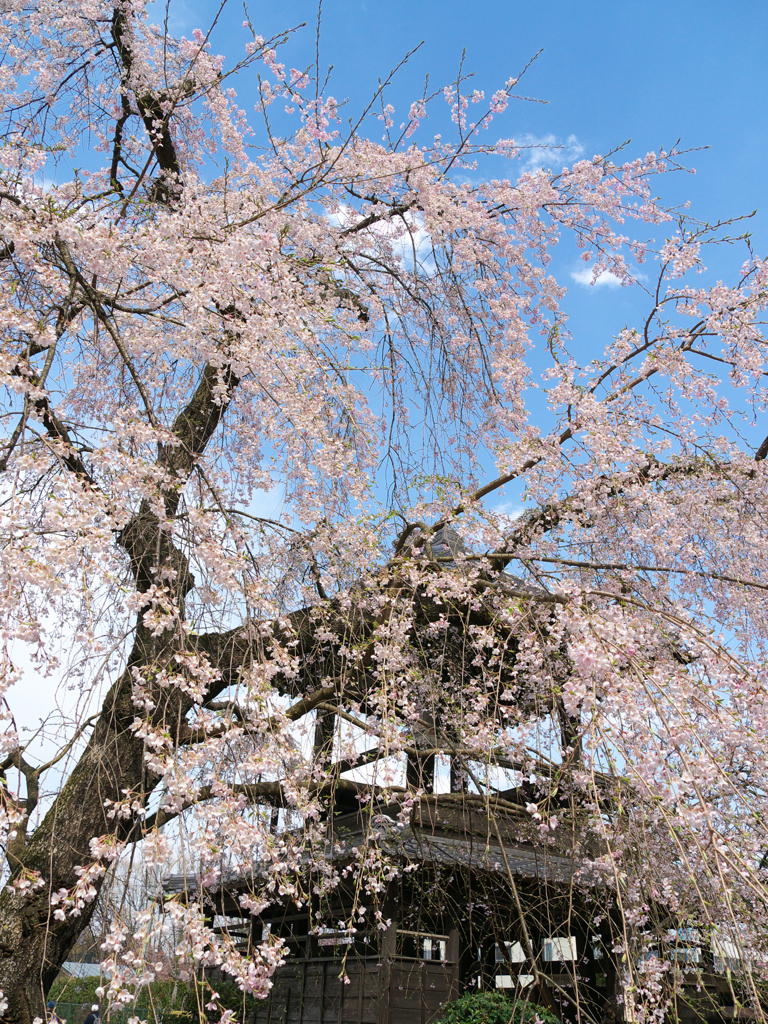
176,1002
231,998
494,1008
74,990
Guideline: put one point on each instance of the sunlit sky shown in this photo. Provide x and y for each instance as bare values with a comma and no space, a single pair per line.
649,71
653,71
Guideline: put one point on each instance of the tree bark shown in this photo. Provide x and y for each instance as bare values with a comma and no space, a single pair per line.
33,945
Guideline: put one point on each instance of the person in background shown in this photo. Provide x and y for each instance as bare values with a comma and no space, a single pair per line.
93,1016
53,1017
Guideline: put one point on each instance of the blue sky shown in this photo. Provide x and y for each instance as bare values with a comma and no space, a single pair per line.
650,70
653,71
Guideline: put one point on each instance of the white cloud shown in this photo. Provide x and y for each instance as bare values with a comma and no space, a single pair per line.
509,509
406,240
539,151
604,279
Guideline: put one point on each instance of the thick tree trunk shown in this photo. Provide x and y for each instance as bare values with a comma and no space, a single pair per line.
33,944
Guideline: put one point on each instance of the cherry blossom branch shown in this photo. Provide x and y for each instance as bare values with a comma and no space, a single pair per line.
719,359
271,794
494,485
156,112
82,726
627,567
187,736
41,403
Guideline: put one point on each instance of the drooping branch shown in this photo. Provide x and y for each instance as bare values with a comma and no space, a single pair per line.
187,736
630,567
270,794
41,404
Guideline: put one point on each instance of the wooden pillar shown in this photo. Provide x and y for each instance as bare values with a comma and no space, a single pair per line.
452,954
325,729
420,773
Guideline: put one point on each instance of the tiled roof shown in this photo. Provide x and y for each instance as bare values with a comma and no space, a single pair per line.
416,845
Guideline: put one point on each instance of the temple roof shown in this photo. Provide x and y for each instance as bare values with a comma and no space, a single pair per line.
439,834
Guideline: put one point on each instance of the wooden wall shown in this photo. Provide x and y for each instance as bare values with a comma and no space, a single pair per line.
398,992
418,990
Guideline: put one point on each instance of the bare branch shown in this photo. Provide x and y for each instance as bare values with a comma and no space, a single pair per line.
270,794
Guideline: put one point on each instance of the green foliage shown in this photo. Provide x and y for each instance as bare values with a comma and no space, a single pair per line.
180,1017
174,1002
74,990
495,1008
